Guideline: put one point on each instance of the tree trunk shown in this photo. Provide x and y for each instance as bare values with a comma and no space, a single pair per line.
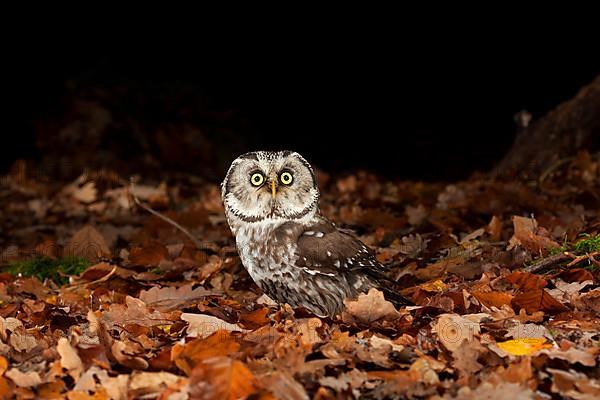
571,127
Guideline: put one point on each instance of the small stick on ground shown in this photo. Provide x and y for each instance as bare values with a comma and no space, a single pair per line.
163,217
548,262
587,256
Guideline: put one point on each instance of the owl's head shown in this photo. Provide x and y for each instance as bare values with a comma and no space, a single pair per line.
270,185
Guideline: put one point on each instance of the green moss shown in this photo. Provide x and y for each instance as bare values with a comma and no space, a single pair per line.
557,250
588,245
43,268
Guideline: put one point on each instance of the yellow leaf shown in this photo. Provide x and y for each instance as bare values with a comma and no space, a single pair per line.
434,286
524,347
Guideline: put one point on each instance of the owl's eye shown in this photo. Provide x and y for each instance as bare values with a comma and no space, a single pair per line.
286,178
257,179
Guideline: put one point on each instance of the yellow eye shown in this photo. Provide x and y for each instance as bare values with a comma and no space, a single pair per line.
286,178
257,179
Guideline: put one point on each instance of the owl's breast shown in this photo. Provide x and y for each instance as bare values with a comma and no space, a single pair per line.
263,254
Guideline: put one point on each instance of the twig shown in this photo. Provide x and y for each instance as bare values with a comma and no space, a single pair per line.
102,279
548,262
587,256
163,217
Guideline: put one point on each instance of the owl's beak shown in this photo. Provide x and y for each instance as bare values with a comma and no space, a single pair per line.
273,189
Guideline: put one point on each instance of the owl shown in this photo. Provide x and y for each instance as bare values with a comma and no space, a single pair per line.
292,252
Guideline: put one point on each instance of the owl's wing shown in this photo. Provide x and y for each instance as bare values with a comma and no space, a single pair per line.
327,250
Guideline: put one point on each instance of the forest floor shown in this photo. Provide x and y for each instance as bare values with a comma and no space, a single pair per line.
100,299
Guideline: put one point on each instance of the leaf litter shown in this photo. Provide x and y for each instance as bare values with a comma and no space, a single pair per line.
101,300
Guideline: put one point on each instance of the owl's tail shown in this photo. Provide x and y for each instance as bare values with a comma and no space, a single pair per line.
390,289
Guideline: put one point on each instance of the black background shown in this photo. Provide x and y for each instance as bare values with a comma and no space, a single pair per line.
439,109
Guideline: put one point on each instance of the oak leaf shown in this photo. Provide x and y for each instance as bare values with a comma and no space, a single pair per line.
87,243
369,308
222,378
538,300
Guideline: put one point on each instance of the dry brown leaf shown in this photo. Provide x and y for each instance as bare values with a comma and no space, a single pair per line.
573,384
465,359
526,280
170,298
22,341
23,379
572,355
87,243
493,299
86,193
150,254
95,378
202,326
530,236
454,330
283,385
69,358
3,365
6,391
187,356
127,354
221,378
494,229
502,390
369,308
538,300
576,275
352,379
135,311
151,384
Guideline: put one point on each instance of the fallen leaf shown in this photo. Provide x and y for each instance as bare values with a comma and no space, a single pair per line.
135,311
536,300
221,378
151,384
528,235
69,358
150,254
494,229
307,329
86,193
573,384
526,280
187,356
453,330
23,379
129,354
87,243
493,299
369,308
347,380
283,385
524,347
170,298
202,326
504,390
573,355
96,378
22,341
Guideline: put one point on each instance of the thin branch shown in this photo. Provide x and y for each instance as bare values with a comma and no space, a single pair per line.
163,217
548,262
